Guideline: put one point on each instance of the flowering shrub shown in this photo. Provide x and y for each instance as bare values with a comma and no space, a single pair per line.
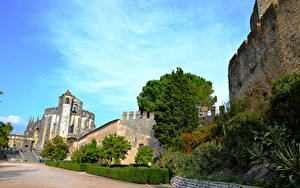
202,161
194,139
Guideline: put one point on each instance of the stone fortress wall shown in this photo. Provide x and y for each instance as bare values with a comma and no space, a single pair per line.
137,130
272,49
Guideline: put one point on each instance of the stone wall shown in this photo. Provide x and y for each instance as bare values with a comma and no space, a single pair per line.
180,182
272,49
137,129
99,133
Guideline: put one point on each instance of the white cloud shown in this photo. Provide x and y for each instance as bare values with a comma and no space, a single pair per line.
12,119
112,48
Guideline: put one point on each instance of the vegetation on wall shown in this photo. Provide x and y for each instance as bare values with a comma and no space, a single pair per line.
5,130
56,149
174,99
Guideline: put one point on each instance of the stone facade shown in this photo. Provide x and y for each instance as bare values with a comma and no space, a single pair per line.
20,141
272,49
68,120
138,131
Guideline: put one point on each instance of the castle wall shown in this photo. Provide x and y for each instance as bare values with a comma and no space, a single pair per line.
138,131
271,50
99,133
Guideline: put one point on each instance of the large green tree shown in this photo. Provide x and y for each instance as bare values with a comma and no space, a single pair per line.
174,99
114,147
5,129
56,149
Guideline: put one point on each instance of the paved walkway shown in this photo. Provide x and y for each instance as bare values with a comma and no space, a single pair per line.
27,175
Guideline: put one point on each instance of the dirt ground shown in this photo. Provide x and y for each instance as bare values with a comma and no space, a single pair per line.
28,175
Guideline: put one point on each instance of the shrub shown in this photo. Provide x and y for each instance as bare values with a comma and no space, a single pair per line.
73,166
239,137
285,103
204,160
56,149
141,175
201,135
51,163
144,155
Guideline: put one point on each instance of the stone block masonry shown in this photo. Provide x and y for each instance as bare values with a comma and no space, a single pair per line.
272,50
179,182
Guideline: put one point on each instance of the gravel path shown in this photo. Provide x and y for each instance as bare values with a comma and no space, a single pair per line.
29,175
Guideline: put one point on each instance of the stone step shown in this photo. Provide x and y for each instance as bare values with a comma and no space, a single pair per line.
30,157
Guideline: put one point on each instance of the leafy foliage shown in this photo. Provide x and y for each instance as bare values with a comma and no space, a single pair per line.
285,103
196,138
144,155
202,161
239,137
133,174
114,147
5,130
174,99
285,154
56,149
77,156
90,152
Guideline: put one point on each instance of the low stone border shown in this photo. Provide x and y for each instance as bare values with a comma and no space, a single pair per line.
179,182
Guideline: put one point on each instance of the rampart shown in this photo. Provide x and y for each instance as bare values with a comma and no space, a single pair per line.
272,49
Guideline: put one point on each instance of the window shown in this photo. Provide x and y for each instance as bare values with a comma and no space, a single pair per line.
26,146
141,145
71,144
71,129
67,101
75,108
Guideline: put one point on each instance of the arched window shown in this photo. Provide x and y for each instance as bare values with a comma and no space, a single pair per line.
67,101
75,108
71,129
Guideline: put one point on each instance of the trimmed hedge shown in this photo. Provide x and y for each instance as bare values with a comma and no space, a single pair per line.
51,163
73,166
140,175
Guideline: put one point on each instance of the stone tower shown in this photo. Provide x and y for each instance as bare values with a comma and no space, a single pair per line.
69,105
258,11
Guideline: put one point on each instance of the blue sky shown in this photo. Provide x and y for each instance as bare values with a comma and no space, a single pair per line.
105,51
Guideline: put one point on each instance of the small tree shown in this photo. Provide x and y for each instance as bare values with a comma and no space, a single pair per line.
114,147
77,156
5,129
56,149
144,156
91,152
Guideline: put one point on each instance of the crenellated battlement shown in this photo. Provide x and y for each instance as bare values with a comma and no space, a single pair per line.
270,51
256,32
138,115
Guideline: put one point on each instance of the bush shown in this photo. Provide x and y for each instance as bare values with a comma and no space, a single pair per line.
73,166
144,155
285,103
204,160
51,163
140,175
239,137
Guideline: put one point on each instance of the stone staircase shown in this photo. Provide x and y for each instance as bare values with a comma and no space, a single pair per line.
29,157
